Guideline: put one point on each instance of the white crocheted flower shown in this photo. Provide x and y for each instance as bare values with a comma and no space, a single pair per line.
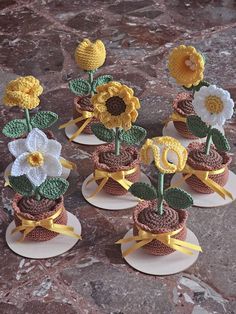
36,156
213,105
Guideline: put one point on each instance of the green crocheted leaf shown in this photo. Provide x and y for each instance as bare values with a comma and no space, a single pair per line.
196,88
22,185
80,87
135,135
178,198
15,128
53,188
102,133
143,190
196,126
44,119
220,140
103,79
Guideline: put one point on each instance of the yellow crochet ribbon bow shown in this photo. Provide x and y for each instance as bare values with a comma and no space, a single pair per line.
175,116
145,237
203,176
118,176
86,115
48,223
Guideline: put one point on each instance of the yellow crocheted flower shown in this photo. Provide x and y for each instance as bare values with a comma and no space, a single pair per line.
23,92
186,65
168,154
90,56
115,105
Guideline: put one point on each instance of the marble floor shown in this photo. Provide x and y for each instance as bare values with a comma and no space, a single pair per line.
39,37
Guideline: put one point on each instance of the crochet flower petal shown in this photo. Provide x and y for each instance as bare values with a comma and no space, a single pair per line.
17,147
20,165
52,166
54,148
36,175
36,141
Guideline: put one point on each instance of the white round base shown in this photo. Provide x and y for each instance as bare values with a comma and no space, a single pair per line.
45,249
65,172
84,139
160,265
107,201
208,200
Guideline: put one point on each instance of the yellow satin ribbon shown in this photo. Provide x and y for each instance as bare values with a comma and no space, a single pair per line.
118,176
145,237
176,117
86,115
203,176
68,164
48,223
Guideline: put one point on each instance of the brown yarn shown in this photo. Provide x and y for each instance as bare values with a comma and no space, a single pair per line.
115,105
39,233
214,161
171,220
83,104
182,105
113,187
111,160
33,207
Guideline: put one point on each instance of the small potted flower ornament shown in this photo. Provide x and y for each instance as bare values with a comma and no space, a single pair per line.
89,56
38,205
116,166
186,66
24,93
160,218
206,170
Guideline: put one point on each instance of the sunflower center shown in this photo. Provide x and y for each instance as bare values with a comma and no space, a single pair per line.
190,63
35,159
115,105
214,104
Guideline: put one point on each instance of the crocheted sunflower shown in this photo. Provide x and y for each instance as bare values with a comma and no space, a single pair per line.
115,105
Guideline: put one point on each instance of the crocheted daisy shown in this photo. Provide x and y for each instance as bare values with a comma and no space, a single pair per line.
213,105
36,157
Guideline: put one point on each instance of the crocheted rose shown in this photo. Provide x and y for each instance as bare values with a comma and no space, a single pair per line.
186,65
23,92
90,56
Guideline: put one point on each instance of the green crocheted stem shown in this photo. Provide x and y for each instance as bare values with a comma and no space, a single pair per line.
27,117
37,196
117,142
160,192
208,141
90,74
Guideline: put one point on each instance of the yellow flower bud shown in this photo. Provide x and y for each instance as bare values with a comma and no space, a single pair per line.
90,56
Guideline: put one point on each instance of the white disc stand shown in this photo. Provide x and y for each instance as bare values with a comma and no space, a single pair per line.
107,201
160,265
84,139
208,200
43,249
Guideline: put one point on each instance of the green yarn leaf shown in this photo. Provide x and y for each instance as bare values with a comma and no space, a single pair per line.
135,135
198,87
53,188
196,126
43,119
143,190
103,79
178,198
220,140
80,87
15,128
22,185
102,133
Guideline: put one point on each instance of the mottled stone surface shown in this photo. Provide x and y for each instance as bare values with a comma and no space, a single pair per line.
39,37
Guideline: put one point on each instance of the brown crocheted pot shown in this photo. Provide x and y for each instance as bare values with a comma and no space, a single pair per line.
146,218
214,161
39,233
182,105
83,104
104,159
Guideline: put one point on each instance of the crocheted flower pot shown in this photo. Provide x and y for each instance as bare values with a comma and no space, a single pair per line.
104,159
214,161
182,105
31,209
146,218
83,104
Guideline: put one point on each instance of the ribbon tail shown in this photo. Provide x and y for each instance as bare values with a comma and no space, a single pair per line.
65,230
77,133
71,122
68,164
136,246
126,184
129,239
99,187
217,188
27,230
184,247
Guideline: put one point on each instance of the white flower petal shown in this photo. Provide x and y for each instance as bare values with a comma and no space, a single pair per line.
54,148
52,166
20,165
17,147
36,141
36,175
